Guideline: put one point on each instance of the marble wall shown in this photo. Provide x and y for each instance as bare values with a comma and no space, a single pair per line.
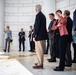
1,22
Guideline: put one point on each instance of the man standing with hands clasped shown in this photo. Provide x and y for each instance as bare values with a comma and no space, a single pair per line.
21,39
40,36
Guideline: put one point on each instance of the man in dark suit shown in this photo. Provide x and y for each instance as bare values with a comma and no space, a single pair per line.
40,35
51,39
69,26
21,39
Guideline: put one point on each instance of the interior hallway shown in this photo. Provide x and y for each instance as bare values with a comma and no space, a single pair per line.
19,63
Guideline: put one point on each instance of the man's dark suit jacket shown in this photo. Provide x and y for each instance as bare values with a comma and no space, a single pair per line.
21,36
50,25
40,32
69,28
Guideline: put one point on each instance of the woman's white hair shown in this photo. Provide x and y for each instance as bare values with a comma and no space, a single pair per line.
38,7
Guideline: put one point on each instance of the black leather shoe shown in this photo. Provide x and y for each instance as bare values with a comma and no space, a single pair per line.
68,65
19,50
48,59
23,50
58,69
45,53
32,51
4,50
8,51
52,60
73,61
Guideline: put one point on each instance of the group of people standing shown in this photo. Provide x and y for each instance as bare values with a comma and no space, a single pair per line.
21,39
8,39
58,36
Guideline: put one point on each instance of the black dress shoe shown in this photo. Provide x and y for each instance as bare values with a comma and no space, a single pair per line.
4,50
19,50
48,59
31,51
68,65
73,61
52,60
58,69
45,53
23,50
8,51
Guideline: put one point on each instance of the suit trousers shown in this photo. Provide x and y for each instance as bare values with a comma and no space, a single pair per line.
32,45
7,44
39,46
68,56
49,39
53,49
23,44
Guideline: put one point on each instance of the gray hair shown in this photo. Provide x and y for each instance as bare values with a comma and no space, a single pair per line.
38,7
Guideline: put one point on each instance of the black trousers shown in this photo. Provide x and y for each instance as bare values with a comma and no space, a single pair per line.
62,50
74,47
23,44
68,56
57,37
32,45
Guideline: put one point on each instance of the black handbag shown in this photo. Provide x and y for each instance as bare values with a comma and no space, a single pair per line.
11,40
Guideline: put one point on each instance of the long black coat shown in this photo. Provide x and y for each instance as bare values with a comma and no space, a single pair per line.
40,32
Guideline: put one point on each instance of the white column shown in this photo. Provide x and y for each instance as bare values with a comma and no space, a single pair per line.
49,7
1,22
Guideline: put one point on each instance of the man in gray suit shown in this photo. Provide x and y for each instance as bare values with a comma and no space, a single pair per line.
51,39
8,38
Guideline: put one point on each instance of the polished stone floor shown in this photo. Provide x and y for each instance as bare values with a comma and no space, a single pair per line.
24,62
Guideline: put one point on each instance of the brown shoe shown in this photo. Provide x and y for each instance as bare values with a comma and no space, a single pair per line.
38,67
36,63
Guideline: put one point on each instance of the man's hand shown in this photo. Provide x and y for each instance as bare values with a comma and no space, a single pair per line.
34,39
58,25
